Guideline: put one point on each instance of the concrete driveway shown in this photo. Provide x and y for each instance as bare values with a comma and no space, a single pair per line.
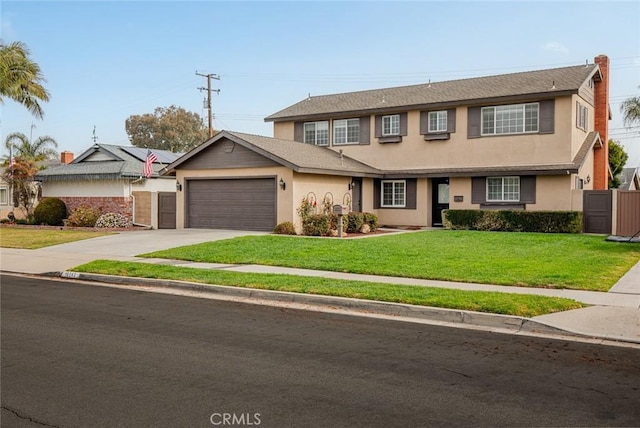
123,246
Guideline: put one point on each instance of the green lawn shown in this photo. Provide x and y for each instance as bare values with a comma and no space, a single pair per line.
525,259
481,301
32,238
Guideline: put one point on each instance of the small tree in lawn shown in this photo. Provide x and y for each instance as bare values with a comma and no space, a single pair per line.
26,191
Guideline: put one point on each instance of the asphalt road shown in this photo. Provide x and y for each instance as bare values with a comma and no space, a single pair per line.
76,355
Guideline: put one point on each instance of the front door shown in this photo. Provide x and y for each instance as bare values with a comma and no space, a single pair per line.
356,195
439,199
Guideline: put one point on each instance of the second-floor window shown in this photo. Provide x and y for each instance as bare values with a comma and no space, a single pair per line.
438,121
393,193
510,119
582,113
316,133
346,131
391,125
503,189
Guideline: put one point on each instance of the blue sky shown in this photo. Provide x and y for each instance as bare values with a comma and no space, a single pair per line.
107,60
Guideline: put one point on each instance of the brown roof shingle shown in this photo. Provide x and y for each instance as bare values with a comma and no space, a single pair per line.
541,82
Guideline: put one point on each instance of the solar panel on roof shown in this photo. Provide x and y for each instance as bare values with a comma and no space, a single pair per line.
140,153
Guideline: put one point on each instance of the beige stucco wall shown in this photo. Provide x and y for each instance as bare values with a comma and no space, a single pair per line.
94,188
284,197
577,134
334,188
459,151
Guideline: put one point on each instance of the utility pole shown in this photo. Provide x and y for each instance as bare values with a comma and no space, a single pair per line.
209,76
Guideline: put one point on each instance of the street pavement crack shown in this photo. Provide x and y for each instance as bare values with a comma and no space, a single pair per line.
27,418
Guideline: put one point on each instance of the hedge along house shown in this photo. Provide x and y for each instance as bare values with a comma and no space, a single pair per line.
110,179
531,140
250,182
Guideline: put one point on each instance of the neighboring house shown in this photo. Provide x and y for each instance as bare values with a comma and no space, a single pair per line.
6,201
629,179
531,140
110,178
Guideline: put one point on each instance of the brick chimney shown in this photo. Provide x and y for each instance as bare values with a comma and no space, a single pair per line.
601,117
66,157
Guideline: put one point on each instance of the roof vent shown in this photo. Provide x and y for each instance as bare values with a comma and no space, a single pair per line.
553,84
429,85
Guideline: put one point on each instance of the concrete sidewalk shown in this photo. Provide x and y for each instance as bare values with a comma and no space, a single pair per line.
615,315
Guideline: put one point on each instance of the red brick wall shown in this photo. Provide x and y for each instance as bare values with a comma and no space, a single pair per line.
601,154
120,205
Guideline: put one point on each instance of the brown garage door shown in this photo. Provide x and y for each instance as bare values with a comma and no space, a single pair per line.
240,204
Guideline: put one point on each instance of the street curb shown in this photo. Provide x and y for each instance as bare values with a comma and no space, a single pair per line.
455,316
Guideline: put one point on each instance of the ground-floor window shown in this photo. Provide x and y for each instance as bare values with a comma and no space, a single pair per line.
393,193
4,196
503,189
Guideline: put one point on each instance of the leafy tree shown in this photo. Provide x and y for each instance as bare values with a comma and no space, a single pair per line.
168,128
20,78
26,191
42,148
617,159
630,108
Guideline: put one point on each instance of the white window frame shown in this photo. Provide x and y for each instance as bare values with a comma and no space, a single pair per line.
346,125
503,185
519,122
4,195
390,125
440,120
395,193
315,131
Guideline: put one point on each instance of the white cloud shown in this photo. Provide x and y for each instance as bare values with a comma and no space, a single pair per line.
556,47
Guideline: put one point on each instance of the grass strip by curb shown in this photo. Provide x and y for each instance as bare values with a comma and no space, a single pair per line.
480,301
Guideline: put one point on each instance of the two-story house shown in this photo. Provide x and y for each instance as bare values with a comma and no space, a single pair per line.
530,140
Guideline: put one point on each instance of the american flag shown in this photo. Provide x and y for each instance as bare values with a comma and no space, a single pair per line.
148,163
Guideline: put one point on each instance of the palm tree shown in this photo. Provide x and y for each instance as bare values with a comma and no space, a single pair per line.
42,148
20,78
630,108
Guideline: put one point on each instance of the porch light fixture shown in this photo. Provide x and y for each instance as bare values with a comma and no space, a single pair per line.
351,185
178,187
588,179
283,185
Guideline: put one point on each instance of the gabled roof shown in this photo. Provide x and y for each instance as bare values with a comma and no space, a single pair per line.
530,84
300,157
628,177
104,162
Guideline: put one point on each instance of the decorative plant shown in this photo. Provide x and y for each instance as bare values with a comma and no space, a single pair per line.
112,220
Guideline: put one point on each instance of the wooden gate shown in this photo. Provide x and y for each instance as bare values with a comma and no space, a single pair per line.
628,213
166,210
597,210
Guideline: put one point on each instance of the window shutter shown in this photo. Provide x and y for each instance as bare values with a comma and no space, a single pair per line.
298,132
474,120
547,113
411,193
403,124
365,130
424,122
451,120
478,190
376,192
528,189
378,126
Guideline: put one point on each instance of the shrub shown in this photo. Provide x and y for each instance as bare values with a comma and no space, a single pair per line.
285,228
460,219
355,220
514,221
372,220
112,220
83,216
50,211
316,225
5,221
